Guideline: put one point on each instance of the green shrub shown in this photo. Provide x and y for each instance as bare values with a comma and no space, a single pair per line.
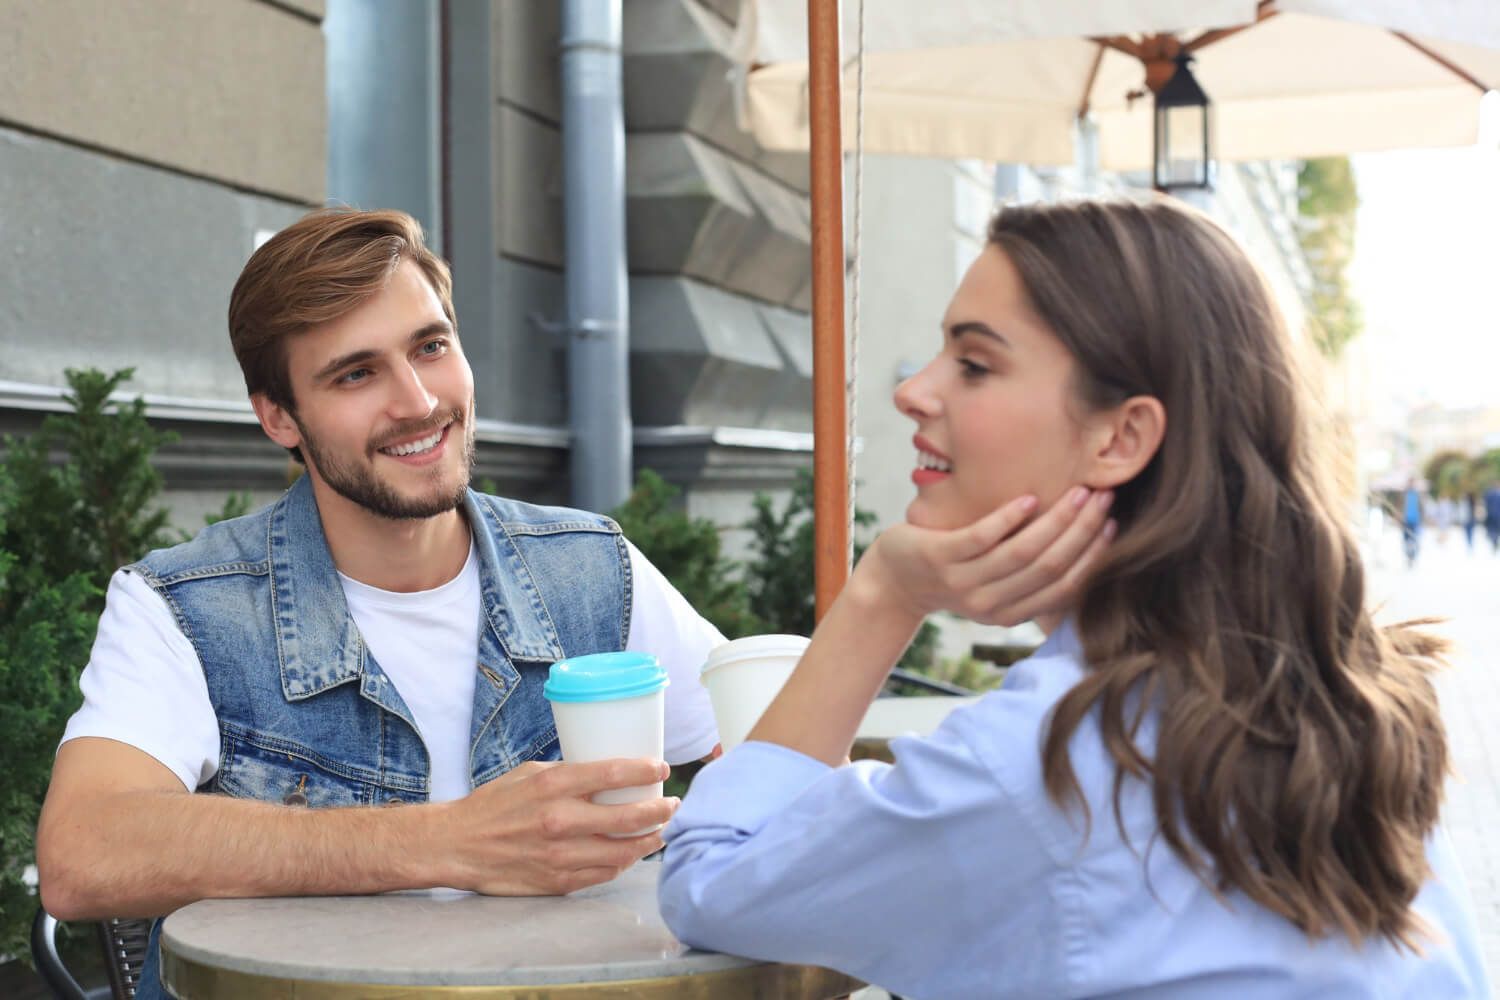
76,503
688,552
780,577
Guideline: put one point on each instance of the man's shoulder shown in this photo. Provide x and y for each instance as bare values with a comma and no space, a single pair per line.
519,517
238,544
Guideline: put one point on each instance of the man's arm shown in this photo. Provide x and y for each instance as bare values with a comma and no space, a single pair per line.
119,836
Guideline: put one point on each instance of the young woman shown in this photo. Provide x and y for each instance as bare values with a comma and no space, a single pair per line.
1216,778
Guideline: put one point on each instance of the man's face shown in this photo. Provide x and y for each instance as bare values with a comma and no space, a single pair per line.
384,403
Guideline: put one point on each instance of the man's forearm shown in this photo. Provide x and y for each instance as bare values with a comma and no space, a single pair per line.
145,853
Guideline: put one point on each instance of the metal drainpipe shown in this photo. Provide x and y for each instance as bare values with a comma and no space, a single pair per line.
597,318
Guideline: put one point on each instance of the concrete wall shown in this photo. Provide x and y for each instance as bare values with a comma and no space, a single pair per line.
147,145
144,144
218,90
717,234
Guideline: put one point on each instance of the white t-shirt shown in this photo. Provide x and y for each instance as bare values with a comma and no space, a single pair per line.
145,687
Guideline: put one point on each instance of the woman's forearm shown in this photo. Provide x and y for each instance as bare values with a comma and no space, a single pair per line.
855,645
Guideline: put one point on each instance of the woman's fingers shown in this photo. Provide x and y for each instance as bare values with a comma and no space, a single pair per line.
989,531
1060,594
1044,559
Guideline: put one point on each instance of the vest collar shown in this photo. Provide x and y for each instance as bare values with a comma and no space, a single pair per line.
317,642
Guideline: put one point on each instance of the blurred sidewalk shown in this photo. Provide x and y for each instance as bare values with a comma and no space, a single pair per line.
1450,582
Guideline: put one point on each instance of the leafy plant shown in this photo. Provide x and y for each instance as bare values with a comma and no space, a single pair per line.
688,551
76,503
780,577
1448,474
967,672
1327,202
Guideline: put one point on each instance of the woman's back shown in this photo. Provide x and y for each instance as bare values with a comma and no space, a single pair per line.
952,874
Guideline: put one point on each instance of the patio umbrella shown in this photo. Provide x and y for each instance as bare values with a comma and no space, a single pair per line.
1008,82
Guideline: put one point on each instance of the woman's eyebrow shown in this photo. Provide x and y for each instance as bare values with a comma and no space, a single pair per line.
975,327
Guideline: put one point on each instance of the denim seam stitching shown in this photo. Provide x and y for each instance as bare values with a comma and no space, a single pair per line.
271,744
240,568
556,528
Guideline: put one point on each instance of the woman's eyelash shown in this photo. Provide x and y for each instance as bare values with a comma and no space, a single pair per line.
971,368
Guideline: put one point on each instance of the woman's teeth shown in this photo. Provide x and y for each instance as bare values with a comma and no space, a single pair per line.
415,447
927,460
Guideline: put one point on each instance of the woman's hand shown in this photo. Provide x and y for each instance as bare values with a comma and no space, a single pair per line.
1000,570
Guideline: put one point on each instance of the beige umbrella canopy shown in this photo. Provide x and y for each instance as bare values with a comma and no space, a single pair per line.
1007,81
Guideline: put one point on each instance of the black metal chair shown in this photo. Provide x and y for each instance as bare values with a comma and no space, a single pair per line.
124,942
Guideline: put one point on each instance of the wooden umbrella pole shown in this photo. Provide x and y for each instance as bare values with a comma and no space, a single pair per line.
830,404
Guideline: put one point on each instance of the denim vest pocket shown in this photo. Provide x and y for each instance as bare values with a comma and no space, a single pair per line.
284,772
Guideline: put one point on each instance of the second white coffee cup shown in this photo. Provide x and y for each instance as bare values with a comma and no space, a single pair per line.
744,676
609,705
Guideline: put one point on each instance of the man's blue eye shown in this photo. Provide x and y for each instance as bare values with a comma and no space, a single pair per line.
433,347
357,375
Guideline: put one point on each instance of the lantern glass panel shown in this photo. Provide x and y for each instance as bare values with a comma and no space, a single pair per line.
1181,146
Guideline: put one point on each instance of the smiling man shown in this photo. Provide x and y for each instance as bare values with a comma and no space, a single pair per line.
376,637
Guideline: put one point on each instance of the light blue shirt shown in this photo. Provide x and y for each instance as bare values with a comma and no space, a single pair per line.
952,874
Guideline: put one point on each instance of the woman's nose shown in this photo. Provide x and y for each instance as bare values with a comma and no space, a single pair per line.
914,396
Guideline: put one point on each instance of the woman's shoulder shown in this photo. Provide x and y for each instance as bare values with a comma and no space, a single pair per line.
1007,730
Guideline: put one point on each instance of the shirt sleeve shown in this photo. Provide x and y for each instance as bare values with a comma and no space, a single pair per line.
143,685
917,876
664,624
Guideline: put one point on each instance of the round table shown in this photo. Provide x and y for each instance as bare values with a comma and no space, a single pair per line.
607,941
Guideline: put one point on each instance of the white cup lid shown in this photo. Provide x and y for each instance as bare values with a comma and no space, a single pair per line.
753,647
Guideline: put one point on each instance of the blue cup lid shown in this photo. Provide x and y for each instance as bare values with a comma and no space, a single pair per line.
604,677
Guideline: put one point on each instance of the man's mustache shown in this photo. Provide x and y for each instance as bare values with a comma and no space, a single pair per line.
418,428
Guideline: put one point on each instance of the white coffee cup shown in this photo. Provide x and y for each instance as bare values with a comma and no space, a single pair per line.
610,705
743,677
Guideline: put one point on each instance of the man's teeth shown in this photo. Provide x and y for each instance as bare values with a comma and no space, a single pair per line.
426,444
927,460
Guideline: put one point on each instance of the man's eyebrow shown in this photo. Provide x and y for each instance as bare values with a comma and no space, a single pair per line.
974,326
418,335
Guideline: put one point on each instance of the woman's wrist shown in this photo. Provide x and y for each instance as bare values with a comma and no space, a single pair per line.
873,591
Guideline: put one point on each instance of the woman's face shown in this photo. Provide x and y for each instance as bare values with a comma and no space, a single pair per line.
995,409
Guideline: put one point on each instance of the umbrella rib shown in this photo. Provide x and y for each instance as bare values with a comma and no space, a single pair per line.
1088,88
1264,11
1451,67
1121,44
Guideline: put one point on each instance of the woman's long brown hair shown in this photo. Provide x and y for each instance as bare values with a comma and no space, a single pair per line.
1300,754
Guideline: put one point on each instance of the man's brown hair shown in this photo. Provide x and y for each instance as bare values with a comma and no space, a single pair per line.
314,271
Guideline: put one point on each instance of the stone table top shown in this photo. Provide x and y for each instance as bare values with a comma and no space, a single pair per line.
441,937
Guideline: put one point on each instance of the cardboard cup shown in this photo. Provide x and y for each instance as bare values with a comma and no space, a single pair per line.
607,728
604,730
743,678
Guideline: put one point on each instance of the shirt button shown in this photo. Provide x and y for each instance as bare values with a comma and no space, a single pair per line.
295,799
395,800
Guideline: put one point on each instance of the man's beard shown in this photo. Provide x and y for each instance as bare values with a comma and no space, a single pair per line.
359,484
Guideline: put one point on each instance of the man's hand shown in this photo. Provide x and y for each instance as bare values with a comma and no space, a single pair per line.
1000,570
534,832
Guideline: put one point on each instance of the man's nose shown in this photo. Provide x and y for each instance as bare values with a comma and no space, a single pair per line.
412,400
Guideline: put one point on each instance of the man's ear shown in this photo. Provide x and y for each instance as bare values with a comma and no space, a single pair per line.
276,421
1124,440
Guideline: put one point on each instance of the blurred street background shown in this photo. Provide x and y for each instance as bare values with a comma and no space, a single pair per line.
1463,587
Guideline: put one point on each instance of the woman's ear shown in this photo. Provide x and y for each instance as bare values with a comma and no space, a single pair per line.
1124,440
276,421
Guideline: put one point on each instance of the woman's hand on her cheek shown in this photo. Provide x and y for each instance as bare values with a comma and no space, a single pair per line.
998,570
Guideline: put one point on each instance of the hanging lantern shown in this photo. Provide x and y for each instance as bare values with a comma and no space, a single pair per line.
1181,156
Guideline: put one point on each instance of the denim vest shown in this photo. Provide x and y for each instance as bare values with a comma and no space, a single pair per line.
306,715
